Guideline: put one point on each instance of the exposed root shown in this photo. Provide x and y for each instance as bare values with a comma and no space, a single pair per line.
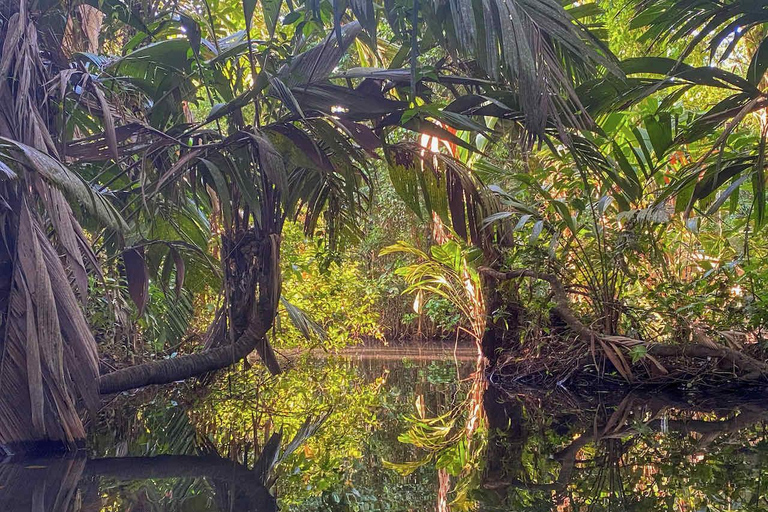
661,363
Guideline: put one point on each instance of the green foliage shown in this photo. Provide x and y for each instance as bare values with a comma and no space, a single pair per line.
338,296
442,312
449,273
194,133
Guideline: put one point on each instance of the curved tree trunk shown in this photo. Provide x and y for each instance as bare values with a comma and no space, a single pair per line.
256,284
190,365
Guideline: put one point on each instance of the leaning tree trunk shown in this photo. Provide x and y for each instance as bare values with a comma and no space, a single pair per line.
256,263
48,358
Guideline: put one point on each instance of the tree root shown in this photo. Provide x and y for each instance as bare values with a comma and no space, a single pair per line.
751,369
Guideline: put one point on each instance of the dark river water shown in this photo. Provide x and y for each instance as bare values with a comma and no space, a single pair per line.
402,430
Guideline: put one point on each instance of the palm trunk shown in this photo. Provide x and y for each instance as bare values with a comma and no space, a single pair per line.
254,268
190,365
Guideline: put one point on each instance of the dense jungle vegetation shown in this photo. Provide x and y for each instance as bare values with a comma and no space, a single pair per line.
577,189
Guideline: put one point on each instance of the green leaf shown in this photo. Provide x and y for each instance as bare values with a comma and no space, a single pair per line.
364,11
404,177
462,122
408,115
223,109
631,185
316,64
660,132
727,193
271,10
603,204
292,17
637,353
285,95
249,6
537,228
704,75
759,63
565,214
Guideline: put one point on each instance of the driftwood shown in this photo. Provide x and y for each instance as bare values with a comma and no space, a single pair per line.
749,368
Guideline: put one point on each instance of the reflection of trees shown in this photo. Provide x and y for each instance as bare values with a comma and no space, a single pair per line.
643,453
339,467
60,485
155,482
451,441
240,412
234,486
130,471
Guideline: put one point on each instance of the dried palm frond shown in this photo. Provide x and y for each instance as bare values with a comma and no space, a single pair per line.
48,359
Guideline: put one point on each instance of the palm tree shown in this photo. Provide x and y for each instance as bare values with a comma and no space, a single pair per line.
733,35
107,142
49,356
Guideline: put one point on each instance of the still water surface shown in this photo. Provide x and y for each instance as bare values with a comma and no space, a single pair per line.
403,430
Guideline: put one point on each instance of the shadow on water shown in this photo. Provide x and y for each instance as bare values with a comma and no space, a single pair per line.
75,484
402,429
165,482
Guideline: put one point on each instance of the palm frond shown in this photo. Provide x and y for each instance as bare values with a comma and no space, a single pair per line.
721,25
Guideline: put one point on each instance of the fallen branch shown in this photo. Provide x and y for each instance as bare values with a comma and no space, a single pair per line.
756,369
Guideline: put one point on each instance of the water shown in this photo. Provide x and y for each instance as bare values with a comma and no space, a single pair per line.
403,430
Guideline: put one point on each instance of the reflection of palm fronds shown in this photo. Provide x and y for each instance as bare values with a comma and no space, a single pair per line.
453,442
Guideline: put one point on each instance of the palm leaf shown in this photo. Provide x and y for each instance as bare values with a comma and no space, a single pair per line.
55,173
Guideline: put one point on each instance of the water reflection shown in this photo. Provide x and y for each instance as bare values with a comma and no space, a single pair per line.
179,482
403,430
639,452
